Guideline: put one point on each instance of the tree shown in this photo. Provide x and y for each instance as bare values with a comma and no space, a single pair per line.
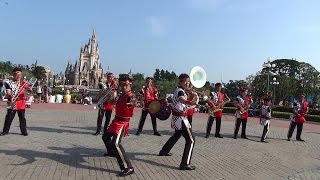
39,72
173,76
156,75
6,67
162,74
293,76
138,76
232,88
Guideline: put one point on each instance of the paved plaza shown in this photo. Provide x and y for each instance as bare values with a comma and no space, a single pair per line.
61,145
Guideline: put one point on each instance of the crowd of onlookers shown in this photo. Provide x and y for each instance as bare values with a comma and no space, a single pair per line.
44,94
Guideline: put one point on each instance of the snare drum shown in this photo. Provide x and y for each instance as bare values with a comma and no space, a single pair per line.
160,109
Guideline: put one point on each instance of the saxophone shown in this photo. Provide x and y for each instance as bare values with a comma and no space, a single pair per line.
245,108
218,107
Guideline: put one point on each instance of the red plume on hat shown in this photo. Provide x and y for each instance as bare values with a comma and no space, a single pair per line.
217,84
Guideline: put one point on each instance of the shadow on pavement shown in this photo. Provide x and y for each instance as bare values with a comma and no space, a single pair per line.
73,157
93,129
134,156
76,157
56,130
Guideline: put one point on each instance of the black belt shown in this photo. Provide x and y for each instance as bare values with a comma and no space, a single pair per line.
174,113
122,118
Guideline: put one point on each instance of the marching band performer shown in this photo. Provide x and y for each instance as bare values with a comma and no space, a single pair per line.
243,102
16,102
149,93
299,109
265,115
181,124
120,124
218,99
107,108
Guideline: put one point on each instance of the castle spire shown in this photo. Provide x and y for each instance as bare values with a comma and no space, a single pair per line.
93,33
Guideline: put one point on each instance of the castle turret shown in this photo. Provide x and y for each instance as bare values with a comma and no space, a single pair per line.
67,68
76,74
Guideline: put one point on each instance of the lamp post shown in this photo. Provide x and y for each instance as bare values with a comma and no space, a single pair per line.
268,65
50,82
274,83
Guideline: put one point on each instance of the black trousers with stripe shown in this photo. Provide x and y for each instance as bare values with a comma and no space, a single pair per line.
114,147
243,129
265,131
107,114
144,114
209,125
292,127
190,120
9,118
189,145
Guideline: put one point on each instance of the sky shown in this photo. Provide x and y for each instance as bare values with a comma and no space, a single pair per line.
230,39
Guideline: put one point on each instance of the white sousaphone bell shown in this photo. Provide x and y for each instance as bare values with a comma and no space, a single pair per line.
198,77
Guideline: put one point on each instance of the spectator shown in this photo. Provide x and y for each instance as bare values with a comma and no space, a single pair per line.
52,99
45,92
1,85
29,101
87,100
39,92
68,97
59,98
75,101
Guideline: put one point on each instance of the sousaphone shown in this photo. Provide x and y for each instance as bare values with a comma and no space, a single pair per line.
198,77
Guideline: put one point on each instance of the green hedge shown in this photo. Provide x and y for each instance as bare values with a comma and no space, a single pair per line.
275,114
230,110
289,110
77,95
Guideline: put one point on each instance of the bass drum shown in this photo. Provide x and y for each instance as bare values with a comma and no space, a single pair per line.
160,109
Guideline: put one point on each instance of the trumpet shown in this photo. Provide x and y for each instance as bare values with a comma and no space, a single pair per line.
109,94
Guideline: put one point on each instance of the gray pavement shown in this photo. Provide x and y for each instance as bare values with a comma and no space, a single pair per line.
60,145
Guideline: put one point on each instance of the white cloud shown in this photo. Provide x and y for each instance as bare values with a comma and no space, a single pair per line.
310,28
156,25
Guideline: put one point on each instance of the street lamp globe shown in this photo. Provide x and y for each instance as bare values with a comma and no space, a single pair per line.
267,64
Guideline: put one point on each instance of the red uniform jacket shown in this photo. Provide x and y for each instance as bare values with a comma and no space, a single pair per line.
300,116
123,114
20,100
108,106
190,111
218,114
149,95
247,101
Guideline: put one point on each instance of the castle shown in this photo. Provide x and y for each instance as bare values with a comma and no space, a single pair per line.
87,71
